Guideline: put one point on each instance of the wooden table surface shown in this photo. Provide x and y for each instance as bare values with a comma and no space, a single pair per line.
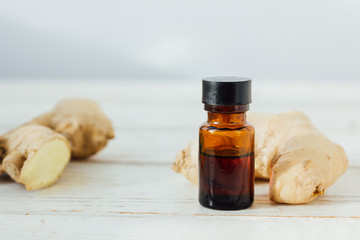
129,190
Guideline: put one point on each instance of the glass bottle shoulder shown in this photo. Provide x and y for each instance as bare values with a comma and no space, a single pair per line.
226,141
206,127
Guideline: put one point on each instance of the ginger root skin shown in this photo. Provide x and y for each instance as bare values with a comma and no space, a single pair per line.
34,155
299,160
82,122
186,162
304,163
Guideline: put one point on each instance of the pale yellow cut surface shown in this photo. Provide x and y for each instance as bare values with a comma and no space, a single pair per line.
45,166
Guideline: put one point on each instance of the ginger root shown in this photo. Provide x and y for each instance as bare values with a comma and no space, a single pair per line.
82,122
34,155
299,160
186,162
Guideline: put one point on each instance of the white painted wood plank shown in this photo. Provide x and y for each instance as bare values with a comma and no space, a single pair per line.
176,227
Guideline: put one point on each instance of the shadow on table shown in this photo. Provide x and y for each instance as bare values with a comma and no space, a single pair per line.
5,179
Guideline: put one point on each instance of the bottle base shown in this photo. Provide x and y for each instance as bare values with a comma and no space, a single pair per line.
227,205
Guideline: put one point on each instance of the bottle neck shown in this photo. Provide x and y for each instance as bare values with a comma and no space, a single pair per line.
227,115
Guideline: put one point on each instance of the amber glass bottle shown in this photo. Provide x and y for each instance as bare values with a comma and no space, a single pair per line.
226,154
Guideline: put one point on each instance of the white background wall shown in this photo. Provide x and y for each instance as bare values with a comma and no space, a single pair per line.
271,40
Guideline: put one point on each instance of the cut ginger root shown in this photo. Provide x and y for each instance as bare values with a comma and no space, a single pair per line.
37,153
34,155
299,160
82,122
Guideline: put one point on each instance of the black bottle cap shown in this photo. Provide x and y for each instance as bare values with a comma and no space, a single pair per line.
226,91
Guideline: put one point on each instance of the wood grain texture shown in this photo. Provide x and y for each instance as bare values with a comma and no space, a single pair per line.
129,190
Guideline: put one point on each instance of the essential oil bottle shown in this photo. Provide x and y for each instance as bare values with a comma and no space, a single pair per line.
226,153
